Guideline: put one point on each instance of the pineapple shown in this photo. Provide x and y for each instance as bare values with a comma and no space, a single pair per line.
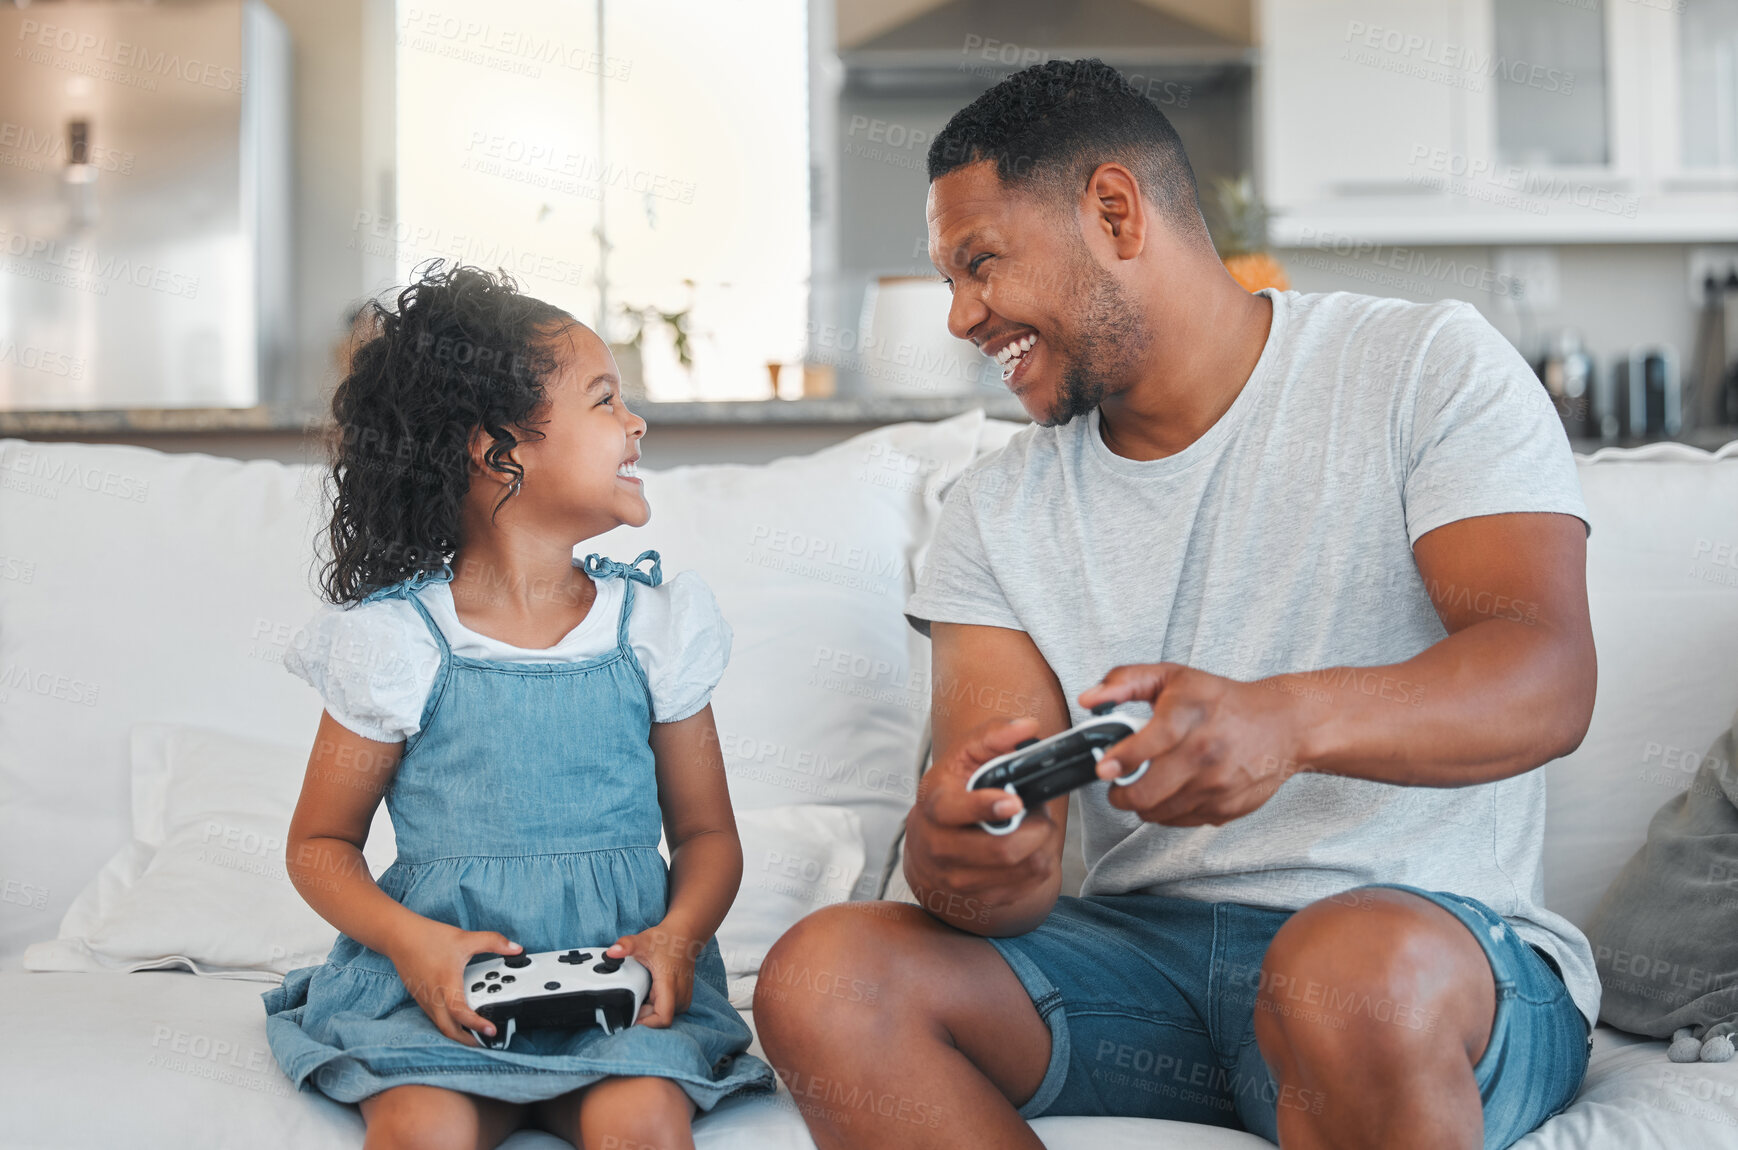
1244,249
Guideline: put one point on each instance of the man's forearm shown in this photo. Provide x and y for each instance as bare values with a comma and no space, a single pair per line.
1493,700
977,915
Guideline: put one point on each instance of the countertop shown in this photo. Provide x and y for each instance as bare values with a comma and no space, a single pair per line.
843,411
876,409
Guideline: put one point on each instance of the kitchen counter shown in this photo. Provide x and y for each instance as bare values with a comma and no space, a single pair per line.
868,409
803,424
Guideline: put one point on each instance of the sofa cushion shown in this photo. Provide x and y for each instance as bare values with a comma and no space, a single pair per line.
183,1065
1662,584
811,559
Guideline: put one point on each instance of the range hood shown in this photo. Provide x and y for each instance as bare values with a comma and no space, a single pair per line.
970,43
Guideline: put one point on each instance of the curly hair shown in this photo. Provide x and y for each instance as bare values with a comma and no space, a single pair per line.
461,349
1051,125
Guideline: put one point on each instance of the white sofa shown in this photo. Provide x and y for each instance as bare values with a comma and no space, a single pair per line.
138,588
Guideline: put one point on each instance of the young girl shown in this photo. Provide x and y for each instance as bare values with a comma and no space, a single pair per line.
531,721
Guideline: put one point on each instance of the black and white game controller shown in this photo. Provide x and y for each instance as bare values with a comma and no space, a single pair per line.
1039,770
557,988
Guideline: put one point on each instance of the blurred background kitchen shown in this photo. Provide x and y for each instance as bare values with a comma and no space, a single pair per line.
196,196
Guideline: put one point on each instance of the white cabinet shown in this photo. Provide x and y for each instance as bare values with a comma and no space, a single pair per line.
1499,121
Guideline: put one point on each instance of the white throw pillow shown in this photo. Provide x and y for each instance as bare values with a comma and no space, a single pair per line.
811,559
202,884
795,859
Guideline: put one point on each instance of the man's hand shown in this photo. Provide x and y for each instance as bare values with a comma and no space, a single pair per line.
959,871
1218,748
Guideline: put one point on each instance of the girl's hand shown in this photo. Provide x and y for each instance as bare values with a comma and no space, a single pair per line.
431,963
669,955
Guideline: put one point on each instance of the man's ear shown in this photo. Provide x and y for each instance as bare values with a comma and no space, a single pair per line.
1113,196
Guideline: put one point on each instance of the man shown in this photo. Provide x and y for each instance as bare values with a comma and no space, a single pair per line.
1337,545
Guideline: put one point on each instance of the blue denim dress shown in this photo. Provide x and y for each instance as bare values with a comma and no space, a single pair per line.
526,803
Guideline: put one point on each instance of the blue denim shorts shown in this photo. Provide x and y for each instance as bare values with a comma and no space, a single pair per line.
1150,1003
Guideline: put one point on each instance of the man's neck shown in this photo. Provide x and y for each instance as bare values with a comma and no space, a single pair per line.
1197,373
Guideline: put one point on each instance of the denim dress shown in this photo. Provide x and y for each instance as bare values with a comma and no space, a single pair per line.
526,803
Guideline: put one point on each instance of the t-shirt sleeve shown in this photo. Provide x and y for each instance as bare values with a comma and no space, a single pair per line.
1485,439
373,665
955,583
682,641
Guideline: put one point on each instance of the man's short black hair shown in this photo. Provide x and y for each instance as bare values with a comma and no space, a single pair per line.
1057,122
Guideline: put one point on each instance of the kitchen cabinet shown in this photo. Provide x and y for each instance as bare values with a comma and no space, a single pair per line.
1499,121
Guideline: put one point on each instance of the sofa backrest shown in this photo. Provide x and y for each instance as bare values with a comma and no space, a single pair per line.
1662,583
143,587
137,586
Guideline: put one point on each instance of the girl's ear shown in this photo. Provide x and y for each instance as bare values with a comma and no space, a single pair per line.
477,449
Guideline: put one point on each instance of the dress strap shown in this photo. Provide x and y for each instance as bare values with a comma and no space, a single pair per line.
404,589
598,567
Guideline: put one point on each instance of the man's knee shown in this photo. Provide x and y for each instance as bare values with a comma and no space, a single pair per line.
1375,971
822,974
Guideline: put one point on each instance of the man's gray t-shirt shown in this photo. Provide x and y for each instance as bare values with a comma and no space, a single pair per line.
1281,541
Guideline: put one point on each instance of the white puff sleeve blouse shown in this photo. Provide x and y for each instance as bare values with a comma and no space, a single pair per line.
374,663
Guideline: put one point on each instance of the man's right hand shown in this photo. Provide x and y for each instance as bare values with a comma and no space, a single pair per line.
986,884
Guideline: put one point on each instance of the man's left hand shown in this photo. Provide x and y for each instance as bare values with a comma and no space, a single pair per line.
1219,748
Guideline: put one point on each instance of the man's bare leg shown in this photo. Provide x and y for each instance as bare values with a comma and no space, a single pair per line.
891,1029
1379,1003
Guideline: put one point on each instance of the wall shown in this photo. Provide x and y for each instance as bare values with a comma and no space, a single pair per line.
1616,295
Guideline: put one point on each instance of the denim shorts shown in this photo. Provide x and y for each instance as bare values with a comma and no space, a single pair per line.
1151,1002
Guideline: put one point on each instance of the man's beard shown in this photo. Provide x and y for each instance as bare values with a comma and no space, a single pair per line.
1103,350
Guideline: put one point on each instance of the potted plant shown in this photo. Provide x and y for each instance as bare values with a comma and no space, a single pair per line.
1244,246
630,360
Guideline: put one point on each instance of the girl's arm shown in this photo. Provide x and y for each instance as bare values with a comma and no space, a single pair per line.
347,777
705,861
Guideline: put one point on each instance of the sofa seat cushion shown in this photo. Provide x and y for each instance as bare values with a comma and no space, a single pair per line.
182,1064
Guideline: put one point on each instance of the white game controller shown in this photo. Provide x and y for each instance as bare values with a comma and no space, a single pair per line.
1039,770
557,988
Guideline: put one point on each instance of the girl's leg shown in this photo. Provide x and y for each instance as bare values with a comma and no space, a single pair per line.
430,1118
622,1114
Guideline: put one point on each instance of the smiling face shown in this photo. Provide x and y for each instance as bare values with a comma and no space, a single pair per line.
580,477
1028,292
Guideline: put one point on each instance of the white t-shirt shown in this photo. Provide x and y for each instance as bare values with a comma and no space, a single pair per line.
1280,541
374,663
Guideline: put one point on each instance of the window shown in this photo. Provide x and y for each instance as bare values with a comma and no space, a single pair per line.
651,154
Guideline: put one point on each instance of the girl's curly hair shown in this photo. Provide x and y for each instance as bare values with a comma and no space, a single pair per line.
461,350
